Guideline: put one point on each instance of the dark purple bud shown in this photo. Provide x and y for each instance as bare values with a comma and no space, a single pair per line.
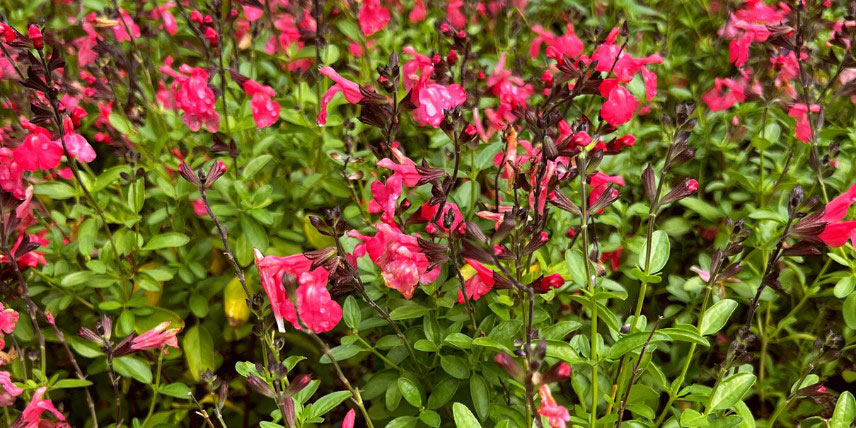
188,174
217,170
259,385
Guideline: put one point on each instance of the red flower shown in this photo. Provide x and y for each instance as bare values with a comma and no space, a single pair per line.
191,94
119,29
31,259
799,111
478,284
837,232
317,310
719,100
417,14
31,417
158,337
402,263
8,320
35,36
600,182
619,106
8,386
265,109
556,415
427,213
549,282
385,197
350,89
405,168
348,422
432,99
167,19
373,17
557,47
37,151
613,257
76,144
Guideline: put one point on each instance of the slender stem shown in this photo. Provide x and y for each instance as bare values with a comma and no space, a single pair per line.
202,411
591,285
156,388
230,256
114,381
635,372
378,354
355,392
79,373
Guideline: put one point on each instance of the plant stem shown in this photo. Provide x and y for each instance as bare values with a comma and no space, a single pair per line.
635,372
202,411
590,282
156,388
355,392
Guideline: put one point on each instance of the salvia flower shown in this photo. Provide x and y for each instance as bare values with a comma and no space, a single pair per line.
350,89
373,17
317,310
403,264
799,111
35,36
37,151
837,232
478,284
567,44
620,104
31,417
76,144
191,94
8,386
348,422
265,109
119,30
158,337
724,94
556,415
385,197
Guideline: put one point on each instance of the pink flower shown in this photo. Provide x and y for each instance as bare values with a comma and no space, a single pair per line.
350,89
549,172
167,19
192,95
837,232
549,282
8,319
402,263
37,151
119,29
417,14
800,111
348,422
11,173
407,171
619,106
427,213
199,208
252,13
158,337
557,47
479,284
385,197
738,49
719,100
511,90
455,15
77,145
600,182
610,57
8,386
316,309
35,36
556,415
432,99
373,17
265,109
31,259
613,257
31,417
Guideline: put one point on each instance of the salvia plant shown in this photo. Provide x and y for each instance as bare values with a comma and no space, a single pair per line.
427,213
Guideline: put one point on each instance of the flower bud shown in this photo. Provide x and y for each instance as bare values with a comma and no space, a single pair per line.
188,174
216,171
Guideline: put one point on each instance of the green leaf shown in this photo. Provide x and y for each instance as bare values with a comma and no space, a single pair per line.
685,334
731,390
167,240
845,411
198,347
430,418
176,389
425,346
716,316
560,330
659,253
464,418
71,383
55,190
692,418
410,390
351,313
86,237
134,368
844,287
442,393
459,340
255,165
634,341
326,403
408,311
849,310
402,422
455,366
481,395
